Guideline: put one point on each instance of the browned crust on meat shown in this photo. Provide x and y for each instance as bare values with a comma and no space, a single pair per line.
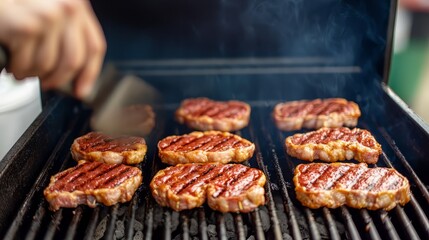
339,194
227,187
221,147
346,114
187,114
336,149
107,196
133,152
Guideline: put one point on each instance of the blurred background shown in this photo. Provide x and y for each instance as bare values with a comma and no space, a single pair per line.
409,73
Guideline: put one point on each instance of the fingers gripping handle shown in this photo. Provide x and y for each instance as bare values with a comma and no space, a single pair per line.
3,57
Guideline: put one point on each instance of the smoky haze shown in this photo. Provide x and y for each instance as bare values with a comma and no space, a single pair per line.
350,32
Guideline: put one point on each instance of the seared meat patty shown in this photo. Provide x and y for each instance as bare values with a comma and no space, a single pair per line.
205,114
334,144
92,182
201,147
315,114
99,147
354,185
227,187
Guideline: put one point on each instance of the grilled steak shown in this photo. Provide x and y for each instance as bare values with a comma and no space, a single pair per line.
96,146
202,147
227,187
92,182
331,112
354,185
334,144
205,114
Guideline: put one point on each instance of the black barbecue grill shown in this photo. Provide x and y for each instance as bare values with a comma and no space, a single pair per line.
260,77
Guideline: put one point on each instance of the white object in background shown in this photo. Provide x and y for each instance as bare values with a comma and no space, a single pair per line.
402,32
20,104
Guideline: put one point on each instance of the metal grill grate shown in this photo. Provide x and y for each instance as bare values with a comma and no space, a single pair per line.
282,217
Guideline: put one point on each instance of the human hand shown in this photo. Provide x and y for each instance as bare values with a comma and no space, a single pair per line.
56,40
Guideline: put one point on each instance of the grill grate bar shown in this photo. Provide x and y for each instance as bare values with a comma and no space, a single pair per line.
36,223
403,160
333,231
221,226
315,235
90,230
417,208
258,224
132,218
167,224
271,207
53,225
391,230
203,224
421,215
288,204
399,210
370,227
43,177
406,223
239,227
350,223
73,225
112,222
149,219
185,226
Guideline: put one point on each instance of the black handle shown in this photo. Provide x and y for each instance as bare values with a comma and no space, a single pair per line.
3,57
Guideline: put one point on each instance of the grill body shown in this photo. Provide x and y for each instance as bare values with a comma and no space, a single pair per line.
260,52
44,150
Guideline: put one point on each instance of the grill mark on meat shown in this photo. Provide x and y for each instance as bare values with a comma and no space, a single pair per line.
180,175
209,143
391,183
308,179
88,176
377,181
214,109
100,182
349,178
315,107
93,177
64,174
328,178
188,178
95,141
242,182
191,186
229,175
388,182
230,142
74,173
180,142
214,143
327,135
363,181
118,178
